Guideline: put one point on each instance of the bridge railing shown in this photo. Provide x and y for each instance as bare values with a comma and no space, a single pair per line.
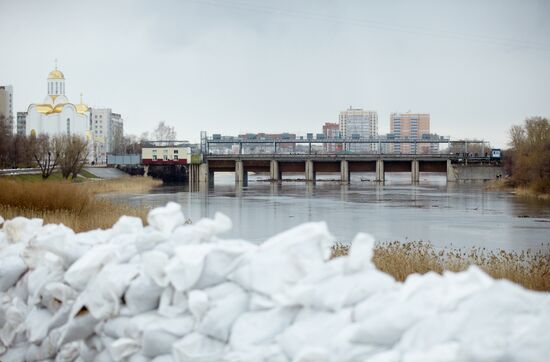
347,156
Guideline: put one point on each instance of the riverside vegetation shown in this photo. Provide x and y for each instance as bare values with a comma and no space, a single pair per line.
527,268
528,160
75,205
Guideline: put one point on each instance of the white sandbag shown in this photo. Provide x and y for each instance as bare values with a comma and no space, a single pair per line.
102,296
447,352
127,225
163,358
260,327
154,264
386,356
14,316
11,269
60,317
60,240
77,328
197,347
172,302
264,353
166,218
49,270
211,227
21,230
123,348
234,301
138,357
56,294
328,288
313,354
89,265
360,254
220,261
143,295
16,354
75,351
198,303
161,334
44,351
261,302
185,268
149,239
226,303
37,323
115,327
293,254
309,330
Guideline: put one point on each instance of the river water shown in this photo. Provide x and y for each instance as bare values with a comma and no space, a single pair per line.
459,215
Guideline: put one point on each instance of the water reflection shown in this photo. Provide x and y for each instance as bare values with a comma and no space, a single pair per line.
457,214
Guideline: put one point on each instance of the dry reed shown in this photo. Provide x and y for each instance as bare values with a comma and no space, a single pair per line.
73,204
123,184
528,268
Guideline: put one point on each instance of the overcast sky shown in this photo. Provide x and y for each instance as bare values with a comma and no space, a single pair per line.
270,66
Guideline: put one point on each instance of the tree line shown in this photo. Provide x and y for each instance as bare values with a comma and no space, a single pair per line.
66,153
528,160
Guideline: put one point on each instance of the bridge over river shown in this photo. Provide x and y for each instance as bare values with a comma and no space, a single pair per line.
312,156
456,167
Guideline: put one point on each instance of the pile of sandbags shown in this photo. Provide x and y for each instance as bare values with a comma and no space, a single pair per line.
177,292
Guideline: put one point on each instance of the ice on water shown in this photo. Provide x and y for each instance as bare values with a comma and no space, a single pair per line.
176,292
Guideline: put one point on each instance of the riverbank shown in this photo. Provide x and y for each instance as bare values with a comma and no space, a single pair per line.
75,205
527,268
521,191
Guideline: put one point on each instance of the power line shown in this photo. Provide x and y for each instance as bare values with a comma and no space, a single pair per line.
377,25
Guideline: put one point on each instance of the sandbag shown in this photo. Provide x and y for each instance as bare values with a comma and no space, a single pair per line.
197,347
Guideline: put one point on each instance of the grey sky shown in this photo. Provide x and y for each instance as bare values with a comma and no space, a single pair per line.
248,66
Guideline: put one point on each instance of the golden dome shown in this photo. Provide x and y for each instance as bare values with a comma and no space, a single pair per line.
81,108
56,74
44,108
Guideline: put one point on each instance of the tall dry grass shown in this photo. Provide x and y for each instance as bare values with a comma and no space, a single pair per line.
123,184
527,268
73,204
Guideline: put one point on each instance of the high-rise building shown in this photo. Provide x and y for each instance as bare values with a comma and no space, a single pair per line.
331,131
412,127
21,123
6,104
358,124
107,130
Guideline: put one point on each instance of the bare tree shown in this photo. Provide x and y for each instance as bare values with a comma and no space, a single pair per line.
164,132
530,154
73,155
130,145
45,151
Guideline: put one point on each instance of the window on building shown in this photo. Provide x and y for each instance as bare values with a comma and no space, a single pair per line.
165,157
68,126
175,157
154,157
175,152
154,151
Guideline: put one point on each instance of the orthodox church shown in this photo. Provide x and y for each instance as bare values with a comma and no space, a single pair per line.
56,115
